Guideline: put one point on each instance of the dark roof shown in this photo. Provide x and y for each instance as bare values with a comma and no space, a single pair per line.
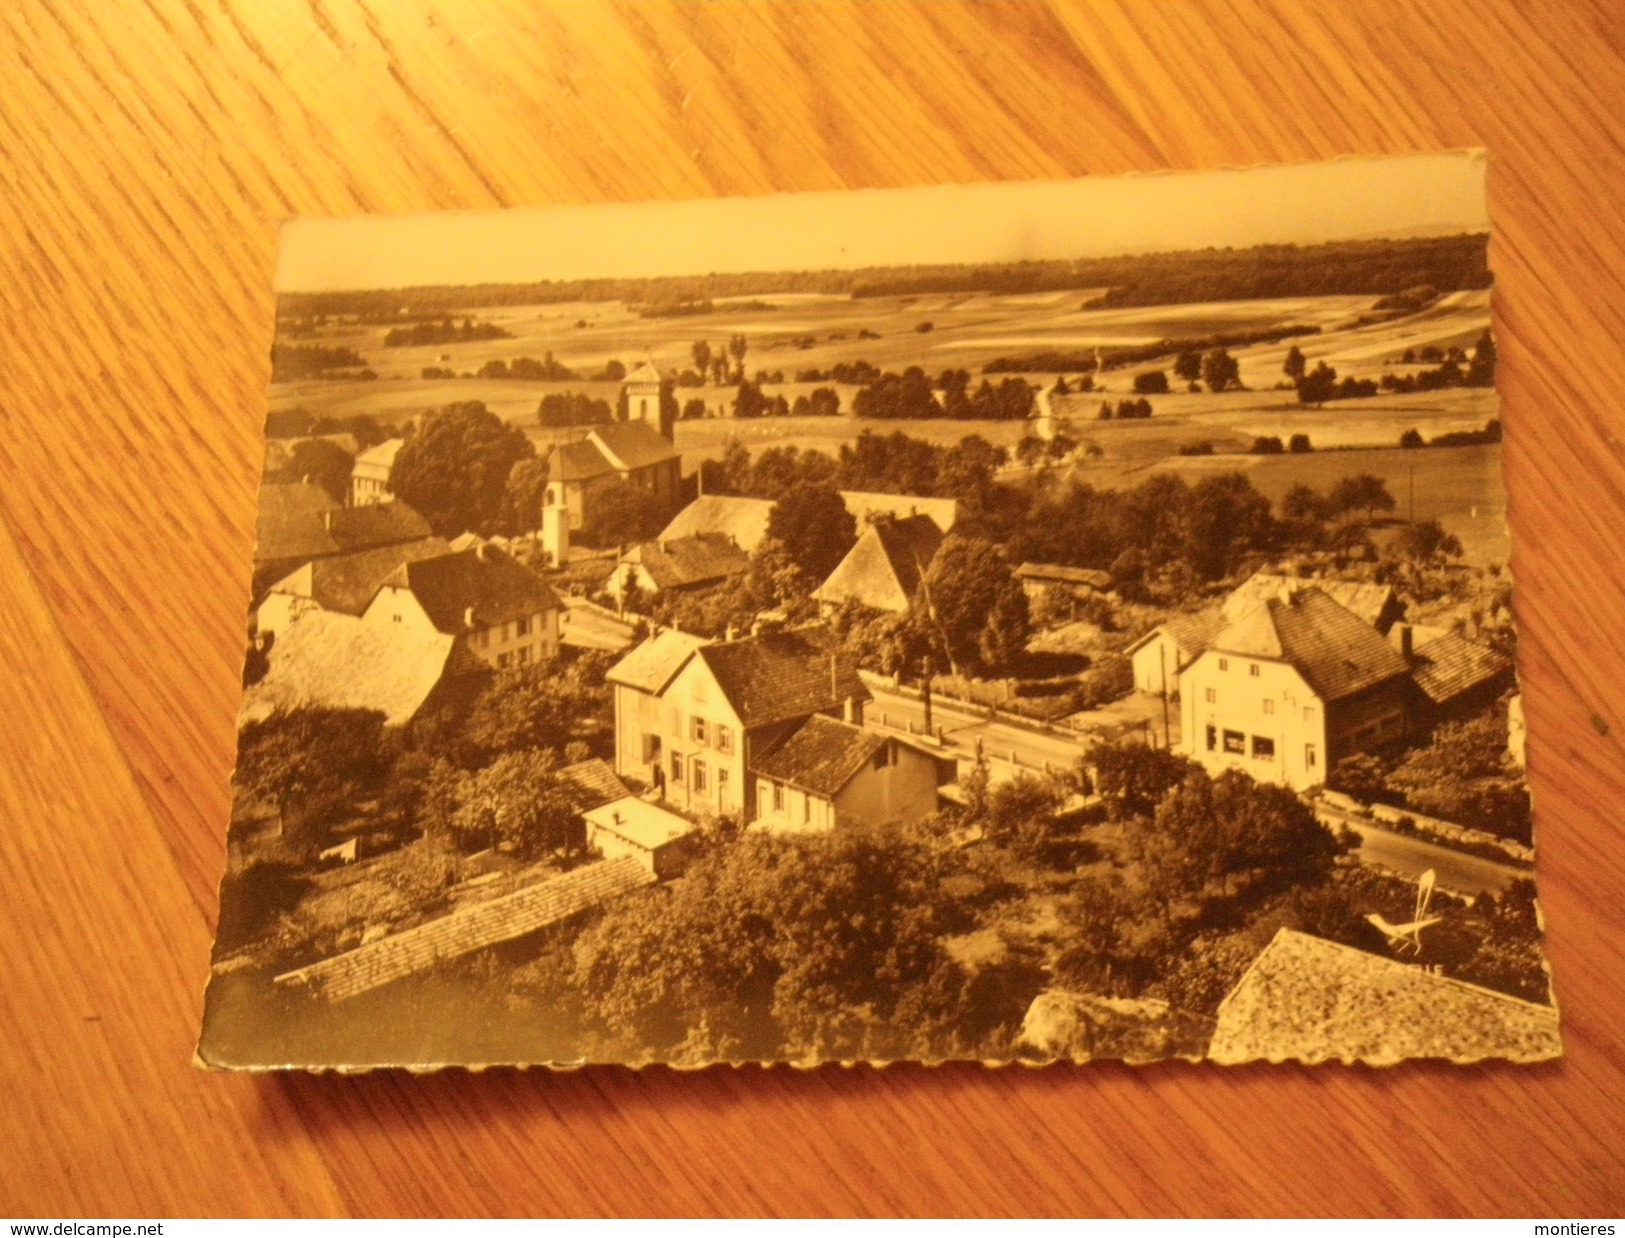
578,461
1450,665
485,579
743,520
377,524
596,781
884,568
346,583
1070,575
632,444
1308,999
1336,652
291,523
782,675
822,755
1194,633
676,563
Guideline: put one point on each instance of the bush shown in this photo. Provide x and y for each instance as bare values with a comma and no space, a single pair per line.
1300,442
1410,439
1151,382
1267,445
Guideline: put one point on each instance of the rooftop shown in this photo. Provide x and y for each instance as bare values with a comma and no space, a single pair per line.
496,587
883,568
381,457
865,505
596,781
1449,665
1336,652
1367,601
1308,999
782,675
645,373
822,755
651,666
632,444
641,823
744,520
676,563
1068,575
346,583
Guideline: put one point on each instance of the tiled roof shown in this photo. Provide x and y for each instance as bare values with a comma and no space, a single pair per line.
378,524
336,661
883,568
1367,601
632,444
1308,999
1333,649
650,667
497,588
596,781
578,461
865,505
1450,665
744,520
346,583
290,523
1194,633
782,675
1068,575
822,755
675,563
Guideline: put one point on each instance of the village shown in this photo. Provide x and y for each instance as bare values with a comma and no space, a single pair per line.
554,695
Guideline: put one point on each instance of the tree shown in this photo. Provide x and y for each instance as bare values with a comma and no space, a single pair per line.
1188,365
813,525
738,345
1411,439
1220,371
1020,812
967,589
1267,445
1226,518
1005,634
540,706
1424,541
1133,777
1317,386
526,493
749,401
322,464
622,512
1294,365
454,471
312,764
1299,443
1481,371
1151,382
1302,506
518,804
1360,492
701,352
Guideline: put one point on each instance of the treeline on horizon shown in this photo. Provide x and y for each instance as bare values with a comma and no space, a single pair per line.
1337,268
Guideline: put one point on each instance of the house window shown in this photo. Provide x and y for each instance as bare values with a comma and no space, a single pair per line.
698,768
1263,749
696,728
524,654
778,797
503,660
883,756
1224,664
1269,707
1308,713
396,617
677,767
725,738
524,626
1309,756
1212,738
1252,669
1212,696
723,777
1235,741
806,809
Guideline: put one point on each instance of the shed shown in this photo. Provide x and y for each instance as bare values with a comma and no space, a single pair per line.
657,838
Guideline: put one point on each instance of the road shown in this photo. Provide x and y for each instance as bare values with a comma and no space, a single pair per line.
591,627
1411,857
1008,747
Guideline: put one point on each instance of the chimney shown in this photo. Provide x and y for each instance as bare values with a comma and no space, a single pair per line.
849,711
1400,636
468,618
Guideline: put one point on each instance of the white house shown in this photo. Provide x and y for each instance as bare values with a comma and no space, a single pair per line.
369,479
827,772
655,837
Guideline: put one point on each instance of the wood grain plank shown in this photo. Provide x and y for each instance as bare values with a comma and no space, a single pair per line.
148,149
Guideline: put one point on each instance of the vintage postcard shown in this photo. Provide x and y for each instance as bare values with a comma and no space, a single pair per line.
1012,623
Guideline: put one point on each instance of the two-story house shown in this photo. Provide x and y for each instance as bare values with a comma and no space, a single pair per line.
691,716
1291,685
828,771
504,614
369,478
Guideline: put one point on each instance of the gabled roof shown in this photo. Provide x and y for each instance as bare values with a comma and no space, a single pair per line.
1308,999
1041,572
1368,602
346,583
677,563
380,457
822,755
641,823
744,520
1336,652
377,524
1191,634
865,505
883,569
782,675
632,445
651,666
290,523
1450,664
645,373
335,661
579,460
596,781
495,586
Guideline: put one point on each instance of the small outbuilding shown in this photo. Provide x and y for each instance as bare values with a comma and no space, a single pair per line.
657,838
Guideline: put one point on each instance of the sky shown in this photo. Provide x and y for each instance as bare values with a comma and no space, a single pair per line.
1346,199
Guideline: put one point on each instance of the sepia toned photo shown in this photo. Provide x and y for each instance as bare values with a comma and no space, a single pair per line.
1016,622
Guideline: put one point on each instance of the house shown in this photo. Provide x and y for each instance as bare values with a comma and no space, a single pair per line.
1163,653
342,584
884,567
1311,1000
1291,686
827,772
692,716
500,611
671,565
866,506
595,783
299,522
1074,584
369,479
1454,676
327,660
657,838
628,451
742,520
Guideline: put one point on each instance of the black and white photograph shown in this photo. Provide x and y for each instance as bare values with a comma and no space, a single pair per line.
1028,622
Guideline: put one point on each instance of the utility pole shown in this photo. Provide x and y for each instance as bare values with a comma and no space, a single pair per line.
925,691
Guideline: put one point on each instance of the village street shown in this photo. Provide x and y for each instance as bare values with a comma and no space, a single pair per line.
1410,857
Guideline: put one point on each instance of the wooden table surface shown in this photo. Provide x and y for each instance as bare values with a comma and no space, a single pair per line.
148,149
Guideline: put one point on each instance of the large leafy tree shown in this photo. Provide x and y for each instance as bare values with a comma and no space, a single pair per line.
970,603
812,524
623,512
454,471
1360,492
321,463
520,804
1220,371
